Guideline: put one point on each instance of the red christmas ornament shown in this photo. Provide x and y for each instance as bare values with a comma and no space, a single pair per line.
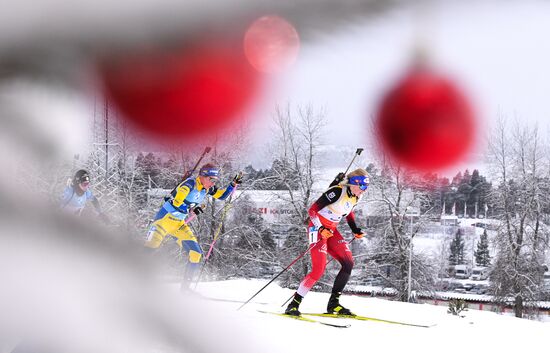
190,92
425,122
271,44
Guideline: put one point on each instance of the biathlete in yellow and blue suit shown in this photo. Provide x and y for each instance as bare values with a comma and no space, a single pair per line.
170,219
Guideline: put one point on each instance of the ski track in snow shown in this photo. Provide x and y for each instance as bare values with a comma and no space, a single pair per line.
478,331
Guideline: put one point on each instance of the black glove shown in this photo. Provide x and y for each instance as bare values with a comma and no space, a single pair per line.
198,210
238,179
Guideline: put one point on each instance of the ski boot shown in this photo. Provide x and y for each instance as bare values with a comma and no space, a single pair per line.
334,307
292,308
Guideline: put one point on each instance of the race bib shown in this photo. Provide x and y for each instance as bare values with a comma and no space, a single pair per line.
313,235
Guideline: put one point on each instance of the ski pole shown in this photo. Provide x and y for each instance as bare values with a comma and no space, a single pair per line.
187,174
192,217
328,262
186,222
218,231
280,273
225,210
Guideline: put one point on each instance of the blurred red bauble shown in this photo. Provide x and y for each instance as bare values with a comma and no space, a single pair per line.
425,122
193,91
271,44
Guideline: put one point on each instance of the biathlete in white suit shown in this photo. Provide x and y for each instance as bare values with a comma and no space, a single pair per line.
325,214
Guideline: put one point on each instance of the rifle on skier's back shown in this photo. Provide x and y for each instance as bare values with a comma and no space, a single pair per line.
186,175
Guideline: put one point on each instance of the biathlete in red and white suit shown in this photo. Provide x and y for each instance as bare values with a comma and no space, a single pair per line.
325,214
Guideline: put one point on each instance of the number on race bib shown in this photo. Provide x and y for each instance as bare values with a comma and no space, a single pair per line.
313,235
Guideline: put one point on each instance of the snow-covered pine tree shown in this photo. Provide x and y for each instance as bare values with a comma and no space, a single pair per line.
456,257
482,253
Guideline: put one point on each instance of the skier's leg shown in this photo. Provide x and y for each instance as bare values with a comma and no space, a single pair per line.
188,242
318,263
338,248
193,264
165,223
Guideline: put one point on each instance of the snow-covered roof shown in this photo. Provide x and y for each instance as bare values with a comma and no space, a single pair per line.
157,192
449,217
265,196
470,297
464,296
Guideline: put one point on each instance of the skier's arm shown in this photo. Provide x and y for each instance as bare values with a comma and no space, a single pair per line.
66,198
104,218
182,191
222,194
350,218
328,197
357,232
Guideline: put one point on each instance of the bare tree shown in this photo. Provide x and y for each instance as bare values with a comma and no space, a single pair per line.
517,160
395,197
133,183
249,248
233,234
298,132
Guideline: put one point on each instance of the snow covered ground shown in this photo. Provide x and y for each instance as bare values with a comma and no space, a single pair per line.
477,331
81,289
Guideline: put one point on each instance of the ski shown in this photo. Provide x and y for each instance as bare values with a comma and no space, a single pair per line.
365,318
306,319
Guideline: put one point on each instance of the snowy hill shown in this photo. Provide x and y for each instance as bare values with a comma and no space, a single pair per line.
477,331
